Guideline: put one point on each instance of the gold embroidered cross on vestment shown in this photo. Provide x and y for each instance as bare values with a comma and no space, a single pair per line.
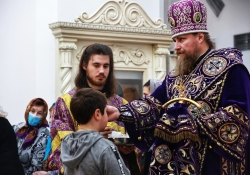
181,89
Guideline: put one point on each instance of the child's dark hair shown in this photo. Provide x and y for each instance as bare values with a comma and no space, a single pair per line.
84,103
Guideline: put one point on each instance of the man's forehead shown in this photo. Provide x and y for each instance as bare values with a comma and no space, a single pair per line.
101,59
178,37
186,35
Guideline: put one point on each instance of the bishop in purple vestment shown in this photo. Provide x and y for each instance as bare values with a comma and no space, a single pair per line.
208,134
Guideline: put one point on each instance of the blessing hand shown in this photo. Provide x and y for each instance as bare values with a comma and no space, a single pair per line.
113,113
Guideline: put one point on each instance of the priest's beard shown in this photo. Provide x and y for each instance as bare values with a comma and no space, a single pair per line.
186,64
94,82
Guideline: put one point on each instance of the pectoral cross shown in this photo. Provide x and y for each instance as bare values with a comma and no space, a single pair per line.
181,88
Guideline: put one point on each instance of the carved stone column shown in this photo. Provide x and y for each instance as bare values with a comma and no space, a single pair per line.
66,46
159,61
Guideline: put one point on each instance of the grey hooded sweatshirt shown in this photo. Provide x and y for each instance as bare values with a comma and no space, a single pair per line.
89,153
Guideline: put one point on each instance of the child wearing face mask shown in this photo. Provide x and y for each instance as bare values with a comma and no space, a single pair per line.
32,136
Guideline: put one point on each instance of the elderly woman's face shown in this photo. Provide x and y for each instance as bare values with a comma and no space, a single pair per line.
37,111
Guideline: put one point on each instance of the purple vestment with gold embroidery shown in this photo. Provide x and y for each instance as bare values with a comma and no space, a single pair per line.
186,140
63,122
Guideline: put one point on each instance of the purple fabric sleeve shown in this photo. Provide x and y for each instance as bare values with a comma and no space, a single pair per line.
133,121
236,92
237,89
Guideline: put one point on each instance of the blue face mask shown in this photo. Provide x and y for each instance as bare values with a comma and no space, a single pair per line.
33,120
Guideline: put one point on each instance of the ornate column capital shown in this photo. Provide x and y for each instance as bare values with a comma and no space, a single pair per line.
159,62
66,46
160,49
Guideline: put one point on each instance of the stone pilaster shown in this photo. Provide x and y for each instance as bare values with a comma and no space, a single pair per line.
159,61
66,47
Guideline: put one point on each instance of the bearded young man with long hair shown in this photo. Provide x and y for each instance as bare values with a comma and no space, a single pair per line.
96,70
209,136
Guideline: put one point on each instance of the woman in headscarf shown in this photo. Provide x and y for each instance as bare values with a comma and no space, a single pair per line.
32,136
150,86
49,167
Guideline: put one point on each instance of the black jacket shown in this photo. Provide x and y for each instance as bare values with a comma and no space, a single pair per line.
9,159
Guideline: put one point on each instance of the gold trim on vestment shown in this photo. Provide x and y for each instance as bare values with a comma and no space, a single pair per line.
116,127
124,101
67,99
177,137
57,140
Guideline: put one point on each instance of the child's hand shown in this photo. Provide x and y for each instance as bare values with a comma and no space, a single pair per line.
106,132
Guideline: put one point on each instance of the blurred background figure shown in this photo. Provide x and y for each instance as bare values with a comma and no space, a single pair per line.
150,86
32,136
146,89
130,93
9,160
51,112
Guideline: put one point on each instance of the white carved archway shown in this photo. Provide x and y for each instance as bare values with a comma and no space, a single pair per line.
137,42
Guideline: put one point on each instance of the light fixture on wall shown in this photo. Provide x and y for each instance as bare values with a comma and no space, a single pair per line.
216,6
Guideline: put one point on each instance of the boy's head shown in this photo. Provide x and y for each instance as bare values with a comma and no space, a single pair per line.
88,103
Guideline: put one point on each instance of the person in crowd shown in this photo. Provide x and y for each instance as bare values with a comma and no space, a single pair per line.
32,136
204,126
49,166
150,86
51,111
86,151
96,70
9,159
146,89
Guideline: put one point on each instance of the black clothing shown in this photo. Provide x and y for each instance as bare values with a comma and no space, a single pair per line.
9,160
